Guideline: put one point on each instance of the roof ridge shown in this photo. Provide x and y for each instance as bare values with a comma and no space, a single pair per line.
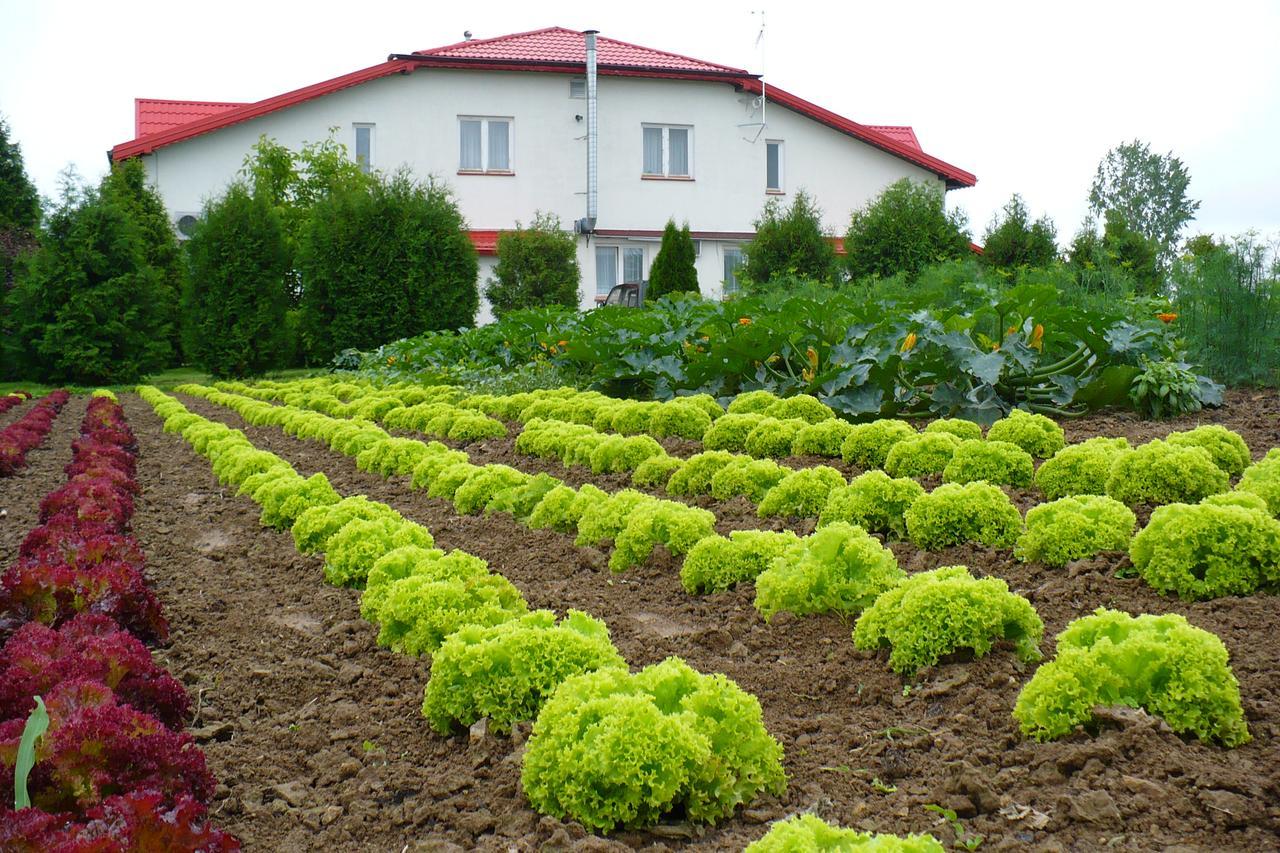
676,55
434,51
193,101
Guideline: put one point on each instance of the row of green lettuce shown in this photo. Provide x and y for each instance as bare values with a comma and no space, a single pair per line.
970,349
670,737
842,568
578,428
1090,484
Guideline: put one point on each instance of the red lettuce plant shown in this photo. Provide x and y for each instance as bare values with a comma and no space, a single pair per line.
37,658
96,748
88,447
92,500
53,592
136,821
63,535
27,433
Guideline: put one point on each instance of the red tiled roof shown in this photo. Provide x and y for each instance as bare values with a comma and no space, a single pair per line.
152,115
556,49
900,133
559,45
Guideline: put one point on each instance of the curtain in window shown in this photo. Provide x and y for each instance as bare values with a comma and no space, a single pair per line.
774,169
653,151
679,143
632,265
470,158
606,269
499,145
732,260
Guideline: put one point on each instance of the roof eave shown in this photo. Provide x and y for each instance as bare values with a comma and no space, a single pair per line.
149,143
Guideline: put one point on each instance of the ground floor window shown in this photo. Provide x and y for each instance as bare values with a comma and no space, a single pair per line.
608,259
733,260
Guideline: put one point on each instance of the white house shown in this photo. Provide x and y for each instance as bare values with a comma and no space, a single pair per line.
508,122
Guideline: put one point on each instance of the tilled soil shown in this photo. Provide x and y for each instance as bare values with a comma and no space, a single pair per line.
316,736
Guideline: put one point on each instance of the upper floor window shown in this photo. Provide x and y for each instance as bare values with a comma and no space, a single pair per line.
485,144
667,151
364,146
773,166
577,87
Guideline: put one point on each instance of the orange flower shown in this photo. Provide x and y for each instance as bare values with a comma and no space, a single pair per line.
1037,338
391,359
812,355
744,321
995,347
563,344
1167,318
909,342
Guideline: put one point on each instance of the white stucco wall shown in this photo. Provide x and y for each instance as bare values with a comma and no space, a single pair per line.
416,125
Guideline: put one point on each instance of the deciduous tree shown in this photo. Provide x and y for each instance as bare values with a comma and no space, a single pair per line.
1149,190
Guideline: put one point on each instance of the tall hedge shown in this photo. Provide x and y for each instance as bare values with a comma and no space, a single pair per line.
383,262
537,266
903,230
127,185
235,297
673,270
87,308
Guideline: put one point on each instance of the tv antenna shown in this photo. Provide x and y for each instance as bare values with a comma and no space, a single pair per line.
762,100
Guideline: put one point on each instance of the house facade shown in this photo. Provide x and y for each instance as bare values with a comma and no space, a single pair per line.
504,122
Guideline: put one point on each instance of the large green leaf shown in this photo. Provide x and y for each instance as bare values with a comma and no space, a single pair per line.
37,725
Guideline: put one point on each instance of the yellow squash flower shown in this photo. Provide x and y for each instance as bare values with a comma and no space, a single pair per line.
909,342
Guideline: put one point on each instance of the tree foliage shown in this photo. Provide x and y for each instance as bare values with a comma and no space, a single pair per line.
19,219
384,261
19,201
234,301
790,242
904,229
673,269
127,185
1149,190
1014,241
87,307
294,181
1119,248
537,266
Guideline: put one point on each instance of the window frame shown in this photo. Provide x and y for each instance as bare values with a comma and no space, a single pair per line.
666,174
781,188
574,80
356,127
484,145
619,251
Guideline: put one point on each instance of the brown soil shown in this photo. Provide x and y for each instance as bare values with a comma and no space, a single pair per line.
316,736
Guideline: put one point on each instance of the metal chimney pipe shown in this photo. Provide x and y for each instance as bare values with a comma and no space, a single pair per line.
593,176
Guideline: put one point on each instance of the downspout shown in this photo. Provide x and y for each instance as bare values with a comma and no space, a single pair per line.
593,176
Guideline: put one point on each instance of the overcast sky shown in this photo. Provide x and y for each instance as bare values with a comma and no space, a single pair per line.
1028,96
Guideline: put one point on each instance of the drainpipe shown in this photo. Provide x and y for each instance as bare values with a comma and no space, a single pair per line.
593,176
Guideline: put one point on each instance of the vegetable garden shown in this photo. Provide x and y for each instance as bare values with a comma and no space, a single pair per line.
401,613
